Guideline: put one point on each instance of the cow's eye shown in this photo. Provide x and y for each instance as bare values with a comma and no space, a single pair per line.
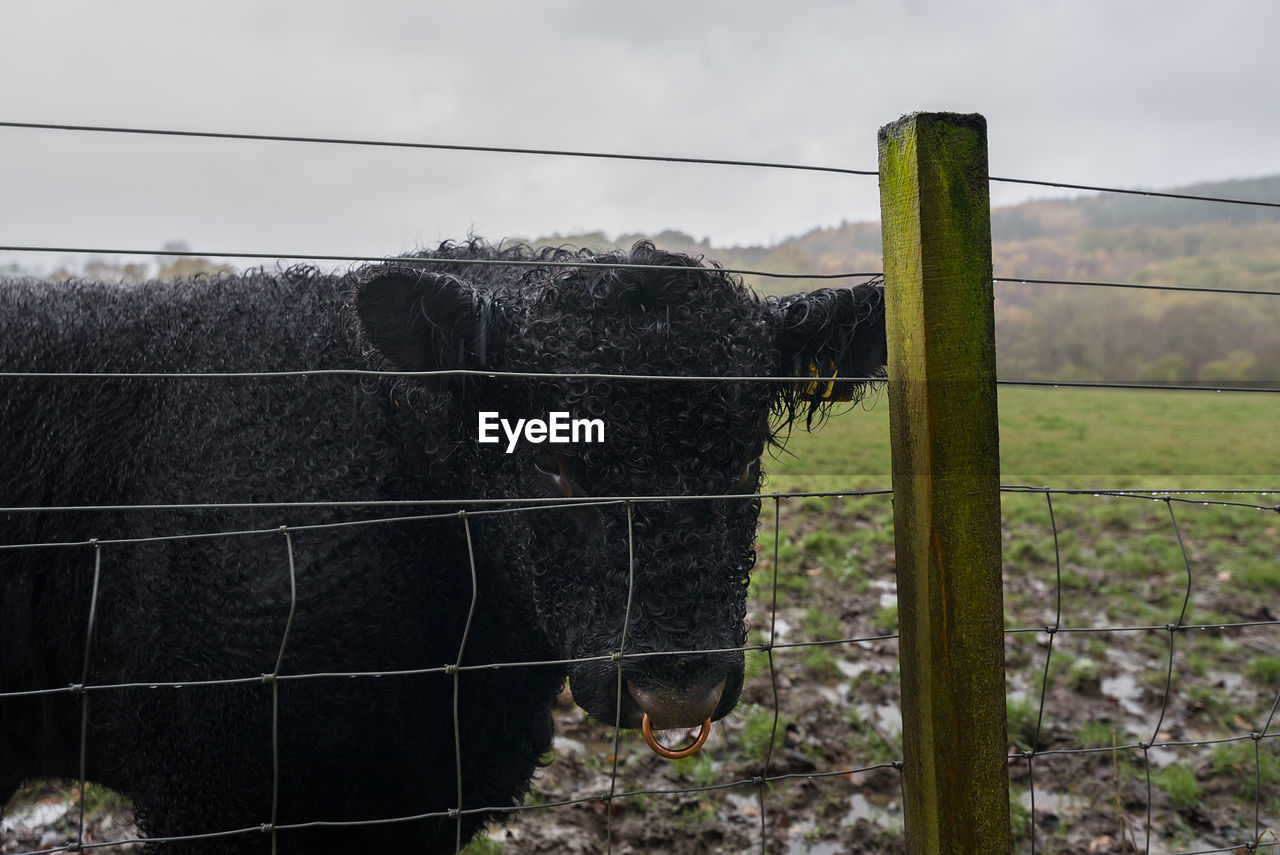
748,478
552,466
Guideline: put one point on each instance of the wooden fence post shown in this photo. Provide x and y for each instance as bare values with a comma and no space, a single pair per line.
936,223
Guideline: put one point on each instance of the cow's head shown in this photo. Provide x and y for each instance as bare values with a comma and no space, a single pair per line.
671,574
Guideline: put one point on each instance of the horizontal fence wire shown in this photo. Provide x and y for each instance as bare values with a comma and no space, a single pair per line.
678,378
771,274
701,161
1161,387
450,372
425,260
556,502
704,161
1012,280
1190,197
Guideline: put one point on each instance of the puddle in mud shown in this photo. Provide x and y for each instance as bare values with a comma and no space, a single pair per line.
33,816
853,670
1063,804
887,717
861,808
1124,688
804,847
888,592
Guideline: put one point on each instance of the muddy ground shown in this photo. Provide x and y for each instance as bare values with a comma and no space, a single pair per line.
833,763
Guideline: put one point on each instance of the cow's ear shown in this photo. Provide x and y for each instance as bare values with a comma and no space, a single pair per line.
423,321
834,332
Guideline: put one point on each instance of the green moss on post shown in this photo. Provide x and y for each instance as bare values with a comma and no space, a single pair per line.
936,225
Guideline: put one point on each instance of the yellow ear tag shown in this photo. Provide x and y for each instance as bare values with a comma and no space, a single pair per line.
811,390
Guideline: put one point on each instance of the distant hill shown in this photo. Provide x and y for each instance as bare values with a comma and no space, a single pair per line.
1079,333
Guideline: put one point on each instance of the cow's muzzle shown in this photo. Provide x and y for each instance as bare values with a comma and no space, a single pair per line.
672,693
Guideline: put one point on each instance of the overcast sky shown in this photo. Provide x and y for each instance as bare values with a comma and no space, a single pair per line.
1136,94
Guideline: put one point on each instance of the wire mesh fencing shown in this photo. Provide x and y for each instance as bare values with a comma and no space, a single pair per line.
770,762
1142,663
1148,686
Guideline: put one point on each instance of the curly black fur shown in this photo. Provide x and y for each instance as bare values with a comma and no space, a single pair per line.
552,583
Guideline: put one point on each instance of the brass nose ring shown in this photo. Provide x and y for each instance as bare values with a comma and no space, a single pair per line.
674,753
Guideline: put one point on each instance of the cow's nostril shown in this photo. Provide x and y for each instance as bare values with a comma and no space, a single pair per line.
669,707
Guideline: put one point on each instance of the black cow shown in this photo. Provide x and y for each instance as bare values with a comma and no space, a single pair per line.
365,594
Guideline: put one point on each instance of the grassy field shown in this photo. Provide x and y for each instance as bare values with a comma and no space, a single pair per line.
1072,437
1098,563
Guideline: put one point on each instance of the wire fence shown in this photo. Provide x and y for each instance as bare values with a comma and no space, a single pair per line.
85,690
1142,740
1253,722
1260,736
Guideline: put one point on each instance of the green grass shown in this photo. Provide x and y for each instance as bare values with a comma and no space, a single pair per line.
1179,782
1091,733
1019,815
885,620
694,814
482,844
1265,670
758,731
699,770
1073,437
1256,575
1121,553
1118,559
1023,716
867,744
1251,767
